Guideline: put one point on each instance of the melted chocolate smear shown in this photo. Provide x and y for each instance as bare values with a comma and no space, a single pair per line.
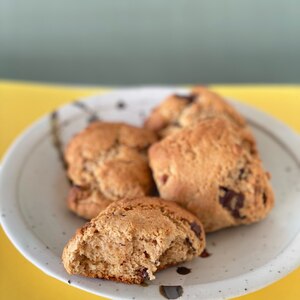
232,201
121,105
205,254
189,98
92,115
56,140
183,270
196,228
171,292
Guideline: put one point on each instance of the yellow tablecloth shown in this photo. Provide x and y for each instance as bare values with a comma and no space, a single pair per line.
22,103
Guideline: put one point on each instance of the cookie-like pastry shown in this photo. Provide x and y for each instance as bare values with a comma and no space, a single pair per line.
179,111
213,170
107,162
132,239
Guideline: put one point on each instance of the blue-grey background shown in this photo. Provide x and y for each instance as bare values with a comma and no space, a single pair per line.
150,41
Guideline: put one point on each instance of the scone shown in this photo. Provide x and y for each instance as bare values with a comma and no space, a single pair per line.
179,111
213,170
107,162
132,239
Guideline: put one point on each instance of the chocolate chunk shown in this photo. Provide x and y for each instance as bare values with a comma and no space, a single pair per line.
189,98
164,178
265,198
183,270
232,201
171,291
121,105
69,281
143,273
196,228
205,254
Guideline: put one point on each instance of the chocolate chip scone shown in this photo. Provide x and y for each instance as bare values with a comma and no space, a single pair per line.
132,239
107,162
213,170
179,111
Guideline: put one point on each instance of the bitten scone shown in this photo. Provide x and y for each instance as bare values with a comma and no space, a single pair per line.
179,111
132,239
213,170
107,162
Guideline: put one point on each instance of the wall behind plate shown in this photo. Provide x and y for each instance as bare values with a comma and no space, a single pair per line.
150,41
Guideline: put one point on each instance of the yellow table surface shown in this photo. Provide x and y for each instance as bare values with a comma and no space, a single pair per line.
21,103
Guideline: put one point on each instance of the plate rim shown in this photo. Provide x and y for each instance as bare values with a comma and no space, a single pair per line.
285,133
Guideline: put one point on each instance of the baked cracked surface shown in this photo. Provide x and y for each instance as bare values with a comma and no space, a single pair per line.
107,162
180,111
213,170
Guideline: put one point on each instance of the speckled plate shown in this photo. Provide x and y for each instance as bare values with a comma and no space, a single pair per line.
33,188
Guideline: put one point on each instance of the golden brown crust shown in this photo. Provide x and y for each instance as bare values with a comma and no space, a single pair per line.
213,170
132,239
177,111
106,162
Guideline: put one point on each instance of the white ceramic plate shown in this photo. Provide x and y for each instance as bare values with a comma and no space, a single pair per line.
33,188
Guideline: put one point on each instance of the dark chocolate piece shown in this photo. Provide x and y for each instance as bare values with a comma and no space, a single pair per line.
143,273
205,254
265,198
121,105
196,228
232,201
183,270
189,98
164,178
